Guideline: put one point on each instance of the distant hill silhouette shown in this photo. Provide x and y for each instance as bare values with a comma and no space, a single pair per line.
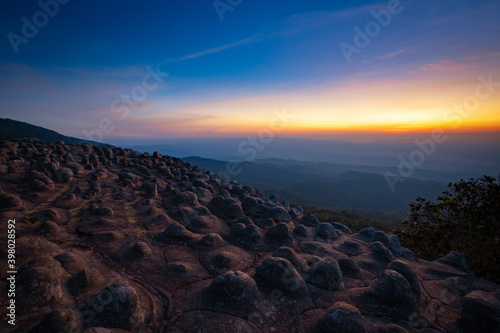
18,130
325,185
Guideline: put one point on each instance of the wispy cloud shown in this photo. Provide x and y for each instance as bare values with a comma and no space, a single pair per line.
493,54
391,55
448,65
385,56
214,49
300,22
288,27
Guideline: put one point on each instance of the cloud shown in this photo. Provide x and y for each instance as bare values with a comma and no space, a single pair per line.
391,55
288,27
386,56
448,65
213,50
482,60
300,22
483,55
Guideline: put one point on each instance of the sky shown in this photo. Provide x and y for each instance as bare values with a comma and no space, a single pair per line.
135,70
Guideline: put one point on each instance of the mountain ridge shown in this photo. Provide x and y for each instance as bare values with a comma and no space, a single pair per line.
17,130
327,188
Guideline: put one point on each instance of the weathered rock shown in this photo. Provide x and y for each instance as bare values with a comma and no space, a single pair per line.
82,281
296,212
289,254
9,201
248,203
279,214
480,312
390,294
349,267
102,211
76,168
279,234
227,258
39,283
60,320
381,237
325,274
116,306
455,260
211,241
65,175
325,232
259,211
408,273
175,232
48,228
367,234
141,249
281,274
186,198
349,247
300,232
381,251
40,182
339,226
246,235
233,289
310,221
150,190
266,223
341,318
233,211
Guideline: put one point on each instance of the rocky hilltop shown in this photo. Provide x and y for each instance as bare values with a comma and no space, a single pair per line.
112,240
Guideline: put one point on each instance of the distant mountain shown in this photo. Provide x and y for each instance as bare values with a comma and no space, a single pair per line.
17,130
451,161
318,185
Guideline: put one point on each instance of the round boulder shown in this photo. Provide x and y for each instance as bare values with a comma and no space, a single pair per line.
325,274
279,214
393,290
326,232
281,274
116,306
61,320
279,234
233,289
309,221
341,318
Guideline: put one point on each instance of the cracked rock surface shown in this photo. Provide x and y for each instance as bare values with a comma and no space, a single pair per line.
113,240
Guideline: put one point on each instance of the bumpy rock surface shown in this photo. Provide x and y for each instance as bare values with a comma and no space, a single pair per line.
112,240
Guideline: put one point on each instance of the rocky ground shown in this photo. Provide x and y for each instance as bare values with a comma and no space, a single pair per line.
112,240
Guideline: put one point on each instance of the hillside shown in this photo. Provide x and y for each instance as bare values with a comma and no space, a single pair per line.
112,240
17,130
327,186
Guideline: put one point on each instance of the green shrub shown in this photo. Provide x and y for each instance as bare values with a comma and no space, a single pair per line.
466,219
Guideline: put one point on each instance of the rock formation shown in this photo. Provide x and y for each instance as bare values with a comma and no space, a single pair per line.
112,240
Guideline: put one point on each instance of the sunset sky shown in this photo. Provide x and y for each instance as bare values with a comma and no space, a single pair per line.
229,71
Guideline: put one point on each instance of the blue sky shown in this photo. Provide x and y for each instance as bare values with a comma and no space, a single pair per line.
225,77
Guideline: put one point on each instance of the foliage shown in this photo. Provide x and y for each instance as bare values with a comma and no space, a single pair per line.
466,219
